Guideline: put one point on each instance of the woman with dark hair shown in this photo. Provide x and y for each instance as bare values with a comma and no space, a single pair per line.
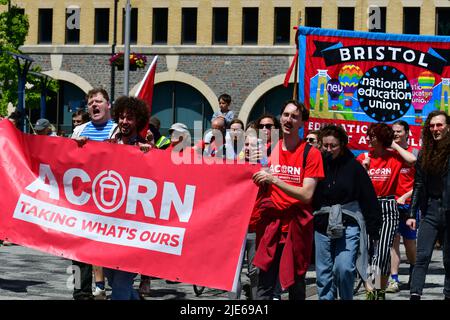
431,196
346,209
383,163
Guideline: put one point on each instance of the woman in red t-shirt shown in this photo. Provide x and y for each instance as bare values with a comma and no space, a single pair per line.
383,164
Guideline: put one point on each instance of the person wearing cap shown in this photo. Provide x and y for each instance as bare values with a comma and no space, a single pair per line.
44,128
179,137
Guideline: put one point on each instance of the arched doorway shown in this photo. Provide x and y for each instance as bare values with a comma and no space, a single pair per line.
271,101
60,106
175,101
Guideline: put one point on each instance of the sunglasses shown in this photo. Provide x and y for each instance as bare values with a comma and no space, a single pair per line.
267,126
311,140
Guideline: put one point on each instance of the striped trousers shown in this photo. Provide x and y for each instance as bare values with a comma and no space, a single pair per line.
381,253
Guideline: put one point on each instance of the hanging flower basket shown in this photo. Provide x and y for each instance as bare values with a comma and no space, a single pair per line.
137,60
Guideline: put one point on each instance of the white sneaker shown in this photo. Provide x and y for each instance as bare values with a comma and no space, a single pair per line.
99,294
393,286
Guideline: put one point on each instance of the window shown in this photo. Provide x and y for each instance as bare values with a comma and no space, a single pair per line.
160,25
377,19
72,26
443,21
411,20
101,31
179,102
189,25
133,25
271,101
313,17
282,25
346,18
220,26
45,26
249,25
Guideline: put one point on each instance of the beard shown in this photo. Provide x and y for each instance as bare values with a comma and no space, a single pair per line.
126,132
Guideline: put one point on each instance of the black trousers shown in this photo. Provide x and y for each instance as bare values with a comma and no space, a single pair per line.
434,221
267,281
84,290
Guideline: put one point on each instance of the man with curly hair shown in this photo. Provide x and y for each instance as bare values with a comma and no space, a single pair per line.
131,115
431,196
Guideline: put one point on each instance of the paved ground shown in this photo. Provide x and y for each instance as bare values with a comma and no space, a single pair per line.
26,274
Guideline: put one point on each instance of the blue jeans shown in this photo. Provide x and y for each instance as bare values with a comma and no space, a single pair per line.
432,222
336,264
121,283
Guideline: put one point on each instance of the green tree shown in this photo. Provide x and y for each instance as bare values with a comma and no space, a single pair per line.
13,32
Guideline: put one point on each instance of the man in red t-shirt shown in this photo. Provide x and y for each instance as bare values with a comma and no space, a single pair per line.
284,231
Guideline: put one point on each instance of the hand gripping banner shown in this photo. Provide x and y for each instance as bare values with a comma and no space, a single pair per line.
114,206
356,78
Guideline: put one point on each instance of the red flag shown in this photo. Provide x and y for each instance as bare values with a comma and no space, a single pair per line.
145,91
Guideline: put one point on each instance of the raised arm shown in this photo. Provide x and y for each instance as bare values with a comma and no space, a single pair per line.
405,154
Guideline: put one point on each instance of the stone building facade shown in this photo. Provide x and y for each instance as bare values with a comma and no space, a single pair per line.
192,74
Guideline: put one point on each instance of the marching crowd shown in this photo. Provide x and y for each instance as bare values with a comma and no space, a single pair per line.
316,201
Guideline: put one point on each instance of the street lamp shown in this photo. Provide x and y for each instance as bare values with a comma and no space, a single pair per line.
45,79
22,70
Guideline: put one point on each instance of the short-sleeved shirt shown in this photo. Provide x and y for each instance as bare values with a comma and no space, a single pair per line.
95,132
384,172
406,177
229,116
289,168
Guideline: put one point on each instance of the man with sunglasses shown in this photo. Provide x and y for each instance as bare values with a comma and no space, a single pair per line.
313,138
284,231
431,196
267,125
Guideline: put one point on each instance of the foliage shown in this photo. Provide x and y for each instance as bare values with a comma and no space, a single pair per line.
13,32
137,59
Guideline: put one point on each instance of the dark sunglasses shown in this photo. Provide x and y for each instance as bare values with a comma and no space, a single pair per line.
311,140
267,126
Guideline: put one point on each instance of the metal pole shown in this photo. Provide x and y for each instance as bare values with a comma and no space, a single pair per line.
127,49
113,51
21,103
43,105
22,77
